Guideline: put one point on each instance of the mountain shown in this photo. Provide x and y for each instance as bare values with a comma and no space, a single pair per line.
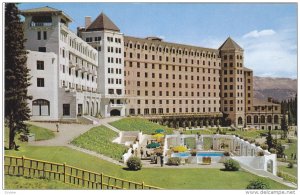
277,88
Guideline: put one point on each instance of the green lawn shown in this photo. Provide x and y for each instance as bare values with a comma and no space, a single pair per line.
292,149
17,183
171,178
139,124
99,139
292,171
40,134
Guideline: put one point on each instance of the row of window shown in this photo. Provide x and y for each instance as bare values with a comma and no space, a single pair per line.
111,50
84,75
111,39
115,91
81,48
90,39
263,119
231,65
180,85
39,35
153,57
231,87
172,51
78,60
70,85
111,60
160,75
167,93
239,57
226,109
231,79
263,108
111,81
111,70
133,111
231,95
176,102
231,72
231,101
180,68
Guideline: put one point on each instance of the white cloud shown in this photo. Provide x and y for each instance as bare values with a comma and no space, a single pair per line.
274,55
256,33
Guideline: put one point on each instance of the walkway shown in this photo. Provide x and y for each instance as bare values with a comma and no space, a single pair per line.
67,132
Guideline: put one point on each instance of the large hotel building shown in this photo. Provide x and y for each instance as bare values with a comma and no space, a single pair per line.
100,72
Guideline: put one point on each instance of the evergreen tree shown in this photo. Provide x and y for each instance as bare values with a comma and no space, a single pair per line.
269,140
16,75
284,126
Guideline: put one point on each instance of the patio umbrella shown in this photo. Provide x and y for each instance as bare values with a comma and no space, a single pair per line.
159,131
158,135
153,145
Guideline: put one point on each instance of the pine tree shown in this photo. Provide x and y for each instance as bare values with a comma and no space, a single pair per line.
269,140
16,75
284,126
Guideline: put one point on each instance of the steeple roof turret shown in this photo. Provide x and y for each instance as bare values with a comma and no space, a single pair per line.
102,22
230,44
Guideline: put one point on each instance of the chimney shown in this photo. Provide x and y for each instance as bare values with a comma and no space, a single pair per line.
270,99
88,21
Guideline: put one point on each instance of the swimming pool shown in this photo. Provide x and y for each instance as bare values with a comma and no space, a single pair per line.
181,154
212,154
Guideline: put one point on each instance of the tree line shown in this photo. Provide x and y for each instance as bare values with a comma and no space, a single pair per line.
289,107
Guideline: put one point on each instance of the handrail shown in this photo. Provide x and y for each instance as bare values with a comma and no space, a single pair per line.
67,174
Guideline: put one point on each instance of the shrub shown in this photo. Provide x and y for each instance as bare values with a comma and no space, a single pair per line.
290,141
174,161
290,165
258,184
231,165
134,163
264,147
179,149
257,144
260,153
194,152
272,150
226,153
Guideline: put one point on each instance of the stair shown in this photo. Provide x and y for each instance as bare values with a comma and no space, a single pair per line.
89,119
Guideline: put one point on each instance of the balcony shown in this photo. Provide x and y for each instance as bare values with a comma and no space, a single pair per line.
71,64
84,69
116,105
39,24
94,72
78,67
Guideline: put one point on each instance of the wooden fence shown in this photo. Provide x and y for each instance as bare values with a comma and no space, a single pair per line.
28,167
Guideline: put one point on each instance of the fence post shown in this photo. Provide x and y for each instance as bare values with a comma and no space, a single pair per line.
142,185
23,165
65,173
101,181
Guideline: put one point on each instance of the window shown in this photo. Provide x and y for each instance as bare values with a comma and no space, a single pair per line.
40,65
40,82
45,35
66,109
39,35
42,49
40,107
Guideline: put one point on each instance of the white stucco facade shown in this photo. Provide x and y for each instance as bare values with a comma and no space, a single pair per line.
64,68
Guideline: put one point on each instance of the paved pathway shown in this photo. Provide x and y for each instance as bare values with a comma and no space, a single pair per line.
67,132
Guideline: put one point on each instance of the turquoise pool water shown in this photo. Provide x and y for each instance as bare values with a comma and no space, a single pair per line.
181,154
200,154
210,154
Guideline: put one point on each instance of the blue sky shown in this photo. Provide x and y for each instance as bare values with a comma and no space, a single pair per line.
267,32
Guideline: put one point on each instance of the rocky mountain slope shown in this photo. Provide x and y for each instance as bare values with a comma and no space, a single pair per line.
278,88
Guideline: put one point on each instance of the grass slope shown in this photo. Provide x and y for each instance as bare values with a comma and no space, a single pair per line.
99,139
292,171
17,183
168,178
40,134
139,124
